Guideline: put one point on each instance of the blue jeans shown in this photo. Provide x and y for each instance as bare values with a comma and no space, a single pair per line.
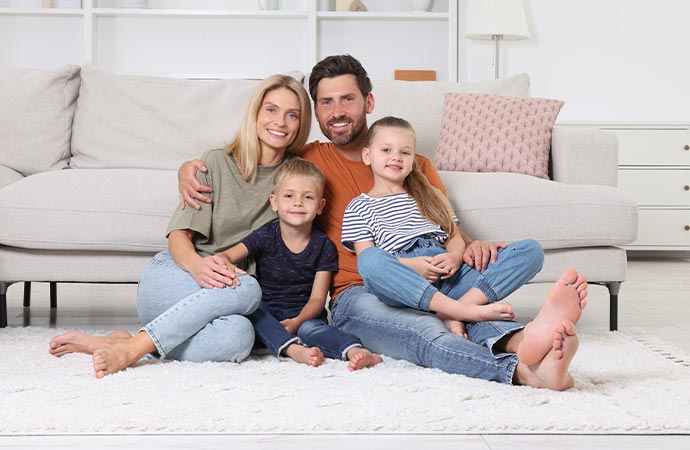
423,339
190,323
384,274
312,333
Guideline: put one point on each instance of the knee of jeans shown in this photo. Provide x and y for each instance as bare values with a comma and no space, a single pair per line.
250,293
239,339
370,260
536,253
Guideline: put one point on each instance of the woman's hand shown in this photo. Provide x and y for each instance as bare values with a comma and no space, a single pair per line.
189,186
479,254
291,325
448,262
215,272
423,265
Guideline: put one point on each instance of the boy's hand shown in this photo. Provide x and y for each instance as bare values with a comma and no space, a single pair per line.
189,186
291,325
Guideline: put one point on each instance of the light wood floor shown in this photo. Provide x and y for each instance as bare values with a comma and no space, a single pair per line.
655,297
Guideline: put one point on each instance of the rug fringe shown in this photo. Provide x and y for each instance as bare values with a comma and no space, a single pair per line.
659,346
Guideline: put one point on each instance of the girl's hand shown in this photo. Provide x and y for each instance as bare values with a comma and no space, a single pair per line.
291,325
423,265
215,272
448,262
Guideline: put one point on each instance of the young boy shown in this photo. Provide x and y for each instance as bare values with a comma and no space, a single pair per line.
295,262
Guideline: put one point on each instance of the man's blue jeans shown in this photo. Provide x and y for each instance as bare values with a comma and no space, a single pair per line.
421,338
189,323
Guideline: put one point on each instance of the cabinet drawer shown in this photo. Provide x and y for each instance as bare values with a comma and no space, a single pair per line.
657,187
652,147
658,227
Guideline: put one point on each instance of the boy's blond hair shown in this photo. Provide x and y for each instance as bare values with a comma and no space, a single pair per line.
299,167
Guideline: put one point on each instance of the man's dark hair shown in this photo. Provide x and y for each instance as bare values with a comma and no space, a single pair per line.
335,66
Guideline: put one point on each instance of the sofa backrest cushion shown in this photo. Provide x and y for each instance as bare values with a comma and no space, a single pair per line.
153,122
421,103
36,112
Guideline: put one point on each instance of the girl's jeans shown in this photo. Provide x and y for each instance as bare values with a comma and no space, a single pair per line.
189,323
421,338
396,284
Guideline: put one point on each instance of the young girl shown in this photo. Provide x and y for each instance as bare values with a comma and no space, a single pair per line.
406,237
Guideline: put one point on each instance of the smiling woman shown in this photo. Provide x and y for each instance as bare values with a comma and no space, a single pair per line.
193,301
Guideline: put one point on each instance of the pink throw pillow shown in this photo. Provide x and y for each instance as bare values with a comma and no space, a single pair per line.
494,133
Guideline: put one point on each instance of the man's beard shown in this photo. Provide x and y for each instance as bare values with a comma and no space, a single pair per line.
358,129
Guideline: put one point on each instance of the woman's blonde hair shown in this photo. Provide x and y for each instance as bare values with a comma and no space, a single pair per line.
432,203
245,145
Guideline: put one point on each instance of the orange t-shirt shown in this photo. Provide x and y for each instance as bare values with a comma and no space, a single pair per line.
345,180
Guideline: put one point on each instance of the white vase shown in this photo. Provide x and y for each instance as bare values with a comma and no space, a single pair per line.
421,5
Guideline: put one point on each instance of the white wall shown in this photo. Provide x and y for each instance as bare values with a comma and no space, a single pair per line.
610,60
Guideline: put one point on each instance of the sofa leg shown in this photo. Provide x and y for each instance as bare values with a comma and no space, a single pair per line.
614,288
53,295
3,304
27,294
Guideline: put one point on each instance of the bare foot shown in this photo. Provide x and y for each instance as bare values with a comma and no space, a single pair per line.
565,301
552,371
311,356
78,342
361,358
454,326
112,359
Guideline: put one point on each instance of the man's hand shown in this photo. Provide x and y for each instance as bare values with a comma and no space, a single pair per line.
189,187
479,254
423,265
215,272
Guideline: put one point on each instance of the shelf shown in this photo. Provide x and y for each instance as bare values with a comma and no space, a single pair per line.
330,15
124,12
41,12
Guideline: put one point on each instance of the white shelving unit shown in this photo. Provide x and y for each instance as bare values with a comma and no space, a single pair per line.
246,43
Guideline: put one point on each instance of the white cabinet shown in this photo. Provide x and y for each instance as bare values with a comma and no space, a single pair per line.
230,38
654,168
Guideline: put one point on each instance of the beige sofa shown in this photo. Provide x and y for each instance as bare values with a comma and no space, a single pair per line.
88,180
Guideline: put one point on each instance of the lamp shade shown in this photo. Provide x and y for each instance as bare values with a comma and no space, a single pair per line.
489,18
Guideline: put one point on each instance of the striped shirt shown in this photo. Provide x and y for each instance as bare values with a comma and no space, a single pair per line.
389,222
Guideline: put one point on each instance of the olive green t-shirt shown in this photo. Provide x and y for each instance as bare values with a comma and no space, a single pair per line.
237,207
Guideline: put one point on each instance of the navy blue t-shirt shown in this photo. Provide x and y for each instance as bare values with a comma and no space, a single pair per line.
285,276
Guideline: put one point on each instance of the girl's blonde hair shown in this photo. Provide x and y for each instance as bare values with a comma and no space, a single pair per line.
432,203
245,146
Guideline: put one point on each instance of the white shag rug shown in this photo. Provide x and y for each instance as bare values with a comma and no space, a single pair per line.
625,383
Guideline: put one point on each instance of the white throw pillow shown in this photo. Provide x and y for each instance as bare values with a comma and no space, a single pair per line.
36,112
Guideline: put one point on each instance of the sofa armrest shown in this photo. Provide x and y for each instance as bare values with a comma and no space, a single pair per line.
584,156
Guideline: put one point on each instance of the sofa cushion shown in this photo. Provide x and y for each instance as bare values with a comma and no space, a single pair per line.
36,112
510,206
153,122
8,176
421,103
496,133
89,209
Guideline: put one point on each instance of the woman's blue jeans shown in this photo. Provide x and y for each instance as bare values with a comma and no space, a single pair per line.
189,323
396,284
